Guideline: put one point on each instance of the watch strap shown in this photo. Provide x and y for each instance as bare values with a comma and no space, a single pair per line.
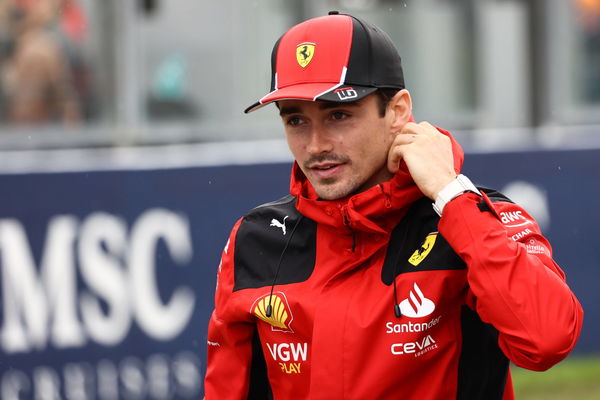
454,189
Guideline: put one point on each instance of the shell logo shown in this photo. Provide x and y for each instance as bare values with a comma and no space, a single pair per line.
281,315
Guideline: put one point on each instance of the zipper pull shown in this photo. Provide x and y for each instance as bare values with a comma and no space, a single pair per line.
345,218
344,212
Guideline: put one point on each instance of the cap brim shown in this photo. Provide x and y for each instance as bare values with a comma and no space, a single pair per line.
313,92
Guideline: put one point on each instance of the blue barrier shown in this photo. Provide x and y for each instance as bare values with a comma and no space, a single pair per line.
107,277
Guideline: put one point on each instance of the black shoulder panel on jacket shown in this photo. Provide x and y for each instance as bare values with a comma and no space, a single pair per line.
261,240
494,197
482,367
408,239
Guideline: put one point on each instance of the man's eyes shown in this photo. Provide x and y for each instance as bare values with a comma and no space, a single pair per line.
339,115
299,120
294,121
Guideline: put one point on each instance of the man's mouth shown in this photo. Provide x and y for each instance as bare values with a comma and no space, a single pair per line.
324,167
326,170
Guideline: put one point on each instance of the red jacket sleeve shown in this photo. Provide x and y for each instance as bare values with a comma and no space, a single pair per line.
515,285
230,333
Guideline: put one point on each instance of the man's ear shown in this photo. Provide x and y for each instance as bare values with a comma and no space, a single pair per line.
400,109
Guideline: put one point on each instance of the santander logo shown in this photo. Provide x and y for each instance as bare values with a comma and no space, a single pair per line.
416,305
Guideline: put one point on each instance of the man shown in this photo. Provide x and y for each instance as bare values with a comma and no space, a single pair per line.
354,286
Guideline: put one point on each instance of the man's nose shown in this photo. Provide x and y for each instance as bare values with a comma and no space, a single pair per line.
320,142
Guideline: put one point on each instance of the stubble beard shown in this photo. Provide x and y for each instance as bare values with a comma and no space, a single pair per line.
340,187
331,188
335,188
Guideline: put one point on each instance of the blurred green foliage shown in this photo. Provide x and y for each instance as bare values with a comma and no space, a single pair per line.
576,378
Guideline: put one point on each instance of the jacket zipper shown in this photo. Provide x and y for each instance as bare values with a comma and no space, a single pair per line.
347,223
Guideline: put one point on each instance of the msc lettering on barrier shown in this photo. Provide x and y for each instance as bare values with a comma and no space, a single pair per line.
156,376
45,306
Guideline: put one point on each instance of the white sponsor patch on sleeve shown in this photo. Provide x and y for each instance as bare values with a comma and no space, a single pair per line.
534,247
514,219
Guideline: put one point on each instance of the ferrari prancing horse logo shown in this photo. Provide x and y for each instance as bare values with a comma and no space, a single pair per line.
423,251
304,53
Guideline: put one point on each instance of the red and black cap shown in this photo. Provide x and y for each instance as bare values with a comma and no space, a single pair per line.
337,58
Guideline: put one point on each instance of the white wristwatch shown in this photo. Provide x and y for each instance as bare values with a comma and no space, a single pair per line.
454,189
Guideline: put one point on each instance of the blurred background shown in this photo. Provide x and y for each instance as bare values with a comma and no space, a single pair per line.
87,73
125,158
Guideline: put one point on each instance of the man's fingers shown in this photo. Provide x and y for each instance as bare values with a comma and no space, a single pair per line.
406,136
396,152
427,126
411,128
418,144
422,128
394,158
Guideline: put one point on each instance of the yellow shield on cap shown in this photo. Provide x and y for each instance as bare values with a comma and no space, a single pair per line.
304,53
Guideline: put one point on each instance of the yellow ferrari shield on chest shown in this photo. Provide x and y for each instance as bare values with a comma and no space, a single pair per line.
304,53
422,252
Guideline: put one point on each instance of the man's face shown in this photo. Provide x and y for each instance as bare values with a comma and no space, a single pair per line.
342,148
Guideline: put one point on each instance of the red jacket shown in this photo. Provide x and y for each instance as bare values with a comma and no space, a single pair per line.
475,289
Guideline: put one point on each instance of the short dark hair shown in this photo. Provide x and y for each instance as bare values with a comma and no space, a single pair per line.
384,95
